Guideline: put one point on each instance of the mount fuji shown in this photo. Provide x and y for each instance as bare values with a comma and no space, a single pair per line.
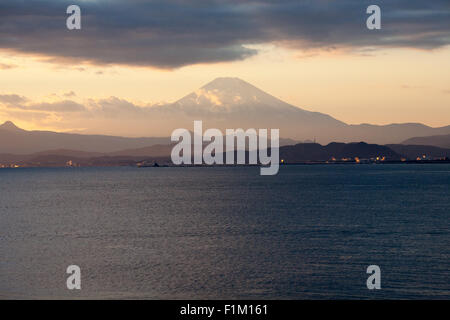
234,103
224,103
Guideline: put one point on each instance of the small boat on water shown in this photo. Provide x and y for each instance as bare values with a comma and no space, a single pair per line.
148,165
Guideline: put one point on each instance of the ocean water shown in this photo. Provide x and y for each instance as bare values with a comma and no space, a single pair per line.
226,233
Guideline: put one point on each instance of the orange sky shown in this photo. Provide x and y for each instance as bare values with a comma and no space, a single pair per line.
385,86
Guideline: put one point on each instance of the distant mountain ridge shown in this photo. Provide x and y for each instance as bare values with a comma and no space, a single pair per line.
18,141
416,151
298,153
14,140
234,103
223,103
442,141
317,152
10,127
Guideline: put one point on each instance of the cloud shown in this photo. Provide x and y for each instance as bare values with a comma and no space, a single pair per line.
70,94
112,115
109,108
174,33
4,66
12,99
114,107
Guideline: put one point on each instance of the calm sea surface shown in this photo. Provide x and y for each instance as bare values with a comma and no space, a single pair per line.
193,233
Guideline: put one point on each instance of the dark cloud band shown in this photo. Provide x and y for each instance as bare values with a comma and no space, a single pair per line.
174,33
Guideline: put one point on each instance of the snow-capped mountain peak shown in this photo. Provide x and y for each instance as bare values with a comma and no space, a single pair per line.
225,94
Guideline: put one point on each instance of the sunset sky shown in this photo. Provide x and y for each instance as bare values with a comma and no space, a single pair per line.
317,55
